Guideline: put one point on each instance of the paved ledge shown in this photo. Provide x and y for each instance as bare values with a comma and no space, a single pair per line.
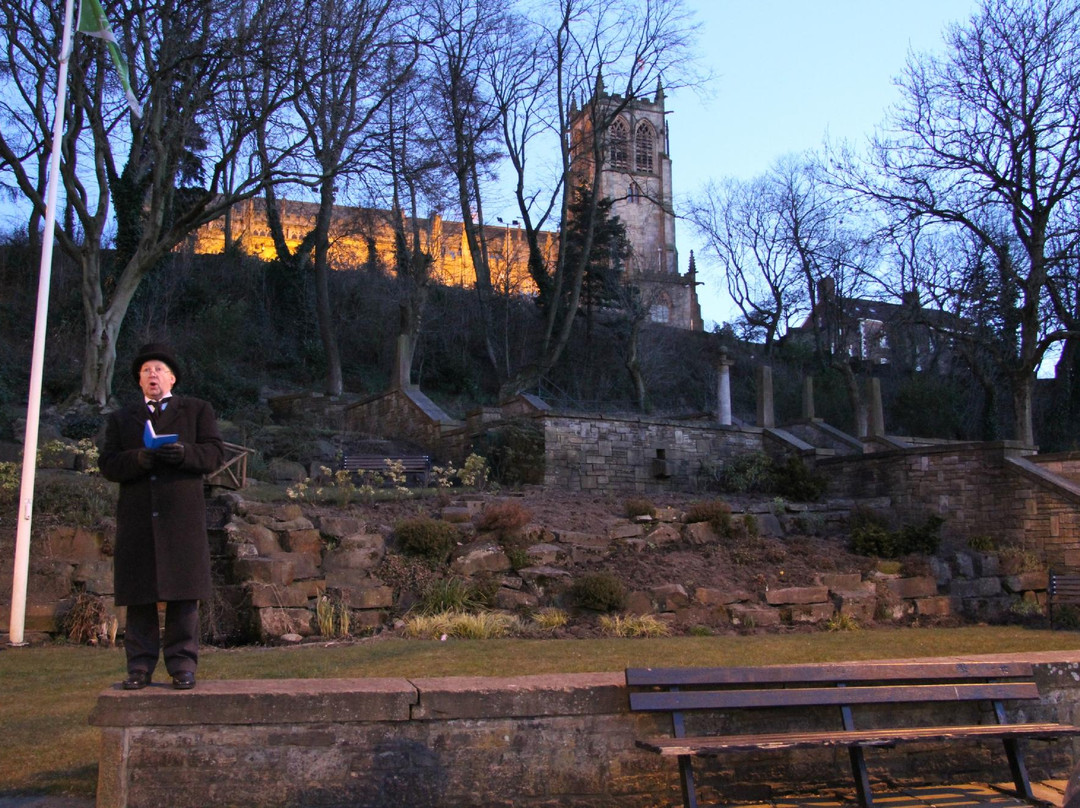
519,696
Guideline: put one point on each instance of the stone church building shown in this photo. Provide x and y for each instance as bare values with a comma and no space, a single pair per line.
636,176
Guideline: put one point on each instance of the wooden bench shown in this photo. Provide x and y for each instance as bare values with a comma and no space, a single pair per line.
416,467
1063,589
853,689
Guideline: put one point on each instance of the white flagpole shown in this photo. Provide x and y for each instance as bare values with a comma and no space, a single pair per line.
33,406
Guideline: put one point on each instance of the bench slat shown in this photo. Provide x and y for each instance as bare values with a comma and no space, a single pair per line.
843,672
716,745
823,696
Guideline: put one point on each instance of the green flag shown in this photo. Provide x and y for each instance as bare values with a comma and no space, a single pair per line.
93,22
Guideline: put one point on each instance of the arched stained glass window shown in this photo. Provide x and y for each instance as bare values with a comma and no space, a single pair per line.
644,145
619,144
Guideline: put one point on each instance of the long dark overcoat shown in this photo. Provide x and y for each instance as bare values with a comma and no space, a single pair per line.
161,551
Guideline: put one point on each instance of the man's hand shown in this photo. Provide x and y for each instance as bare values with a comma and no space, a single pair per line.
145,459
171,454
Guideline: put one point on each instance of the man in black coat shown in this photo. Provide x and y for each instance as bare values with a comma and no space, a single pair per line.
161,551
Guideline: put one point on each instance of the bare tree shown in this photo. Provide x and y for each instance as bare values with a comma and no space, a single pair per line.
987,141
157,172
340,84
471,40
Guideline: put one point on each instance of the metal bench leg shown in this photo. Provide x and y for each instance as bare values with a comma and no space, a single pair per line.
862,779
1019,770
686,778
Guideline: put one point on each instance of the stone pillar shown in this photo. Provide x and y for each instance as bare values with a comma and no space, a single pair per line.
876,425
723,389
401,379
765,415
808,398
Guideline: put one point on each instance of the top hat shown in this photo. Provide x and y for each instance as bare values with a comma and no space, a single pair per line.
155,350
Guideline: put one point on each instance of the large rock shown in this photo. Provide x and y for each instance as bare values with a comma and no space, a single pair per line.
277,571
95,577
711,596
479,556
665,533
75,544
670,597
265,596
746,616
307,540
338,527
796,594
540,554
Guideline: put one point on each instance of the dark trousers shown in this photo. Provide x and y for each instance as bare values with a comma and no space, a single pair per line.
143,639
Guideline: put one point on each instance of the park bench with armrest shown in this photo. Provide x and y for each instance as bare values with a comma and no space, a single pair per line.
1063,589
414,466
851,688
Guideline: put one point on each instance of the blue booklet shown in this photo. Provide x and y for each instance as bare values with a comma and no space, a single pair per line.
152,440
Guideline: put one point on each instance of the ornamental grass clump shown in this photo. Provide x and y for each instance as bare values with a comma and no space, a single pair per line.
631,625
444,625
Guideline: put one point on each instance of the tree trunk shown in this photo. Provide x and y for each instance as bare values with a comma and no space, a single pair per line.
1023,385
323,309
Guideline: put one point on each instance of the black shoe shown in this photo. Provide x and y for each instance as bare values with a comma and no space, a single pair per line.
185,680
136,680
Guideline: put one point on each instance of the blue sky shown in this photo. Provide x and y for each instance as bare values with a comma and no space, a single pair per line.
786,74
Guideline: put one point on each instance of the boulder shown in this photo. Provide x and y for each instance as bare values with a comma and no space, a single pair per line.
479,556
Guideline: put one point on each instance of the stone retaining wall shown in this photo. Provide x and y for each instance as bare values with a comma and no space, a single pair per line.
524,741
594,453
982,489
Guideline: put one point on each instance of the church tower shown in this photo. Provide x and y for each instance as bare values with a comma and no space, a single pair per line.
636,176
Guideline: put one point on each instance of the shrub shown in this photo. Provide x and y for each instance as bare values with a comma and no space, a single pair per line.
405,574
717,513
427,538
923,538
981,544
601,592
871,536
639,507
794,480
747,473
504,518
873,540
515,452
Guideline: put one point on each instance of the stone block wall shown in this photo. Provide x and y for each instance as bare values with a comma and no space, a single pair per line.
405,414
597,453
550,740
982,489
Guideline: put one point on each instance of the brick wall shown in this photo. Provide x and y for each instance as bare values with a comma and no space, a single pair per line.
548,741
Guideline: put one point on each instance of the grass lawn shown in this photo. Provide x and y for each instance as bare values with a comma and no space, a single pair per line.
47,692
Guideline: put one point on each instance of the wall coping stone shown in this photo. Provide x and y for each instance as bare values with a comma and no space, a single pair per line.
258,701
